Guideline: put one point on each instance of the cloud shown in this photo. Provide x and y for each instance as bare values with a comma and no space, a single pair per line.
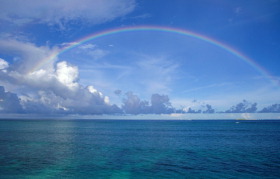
132,104
67,74
91,51
118,92
54,88
97,53
243,107
3,64
26,55
275,108
208,109
194,106
61,92
159,104
141,16
61,12
87,46
190,110
201,109
9,102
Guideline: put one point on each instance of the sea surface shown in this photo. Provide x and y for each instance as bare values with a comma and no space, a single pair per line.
139,149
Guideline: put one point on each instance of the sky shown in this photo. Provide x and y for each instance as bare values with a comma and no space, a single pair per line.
139,57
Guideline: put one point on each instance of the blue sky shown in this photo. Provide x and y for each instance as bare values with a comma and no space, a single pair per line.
139,72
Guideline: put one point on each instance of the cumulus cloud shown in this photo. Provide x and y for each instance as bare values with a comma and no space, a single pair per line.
159,104
275,108
132,104
67,74
208,109
53,88
61,12
9,102
3,64
196,106
190,110
60,91
243,107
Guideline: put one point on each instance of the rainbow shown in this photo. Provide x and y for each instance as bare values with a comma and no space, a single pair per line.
114,31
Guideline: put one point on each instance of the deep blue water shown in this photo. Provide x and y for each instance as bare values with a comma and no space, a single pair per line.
139,149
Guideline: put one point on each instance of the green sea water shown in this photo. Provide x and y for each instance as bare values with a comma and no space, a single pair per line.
126,149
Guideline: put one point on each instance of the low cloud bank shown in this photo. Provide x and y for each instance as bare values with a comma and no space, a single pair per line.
9,102
88,101
243,107
274,108
159,104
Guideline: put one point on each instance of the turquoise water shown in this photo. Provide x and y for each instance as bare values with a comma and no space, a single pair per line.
139,149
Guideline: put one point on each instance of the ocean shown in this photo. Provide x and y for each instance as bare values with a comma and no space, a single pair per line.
139,149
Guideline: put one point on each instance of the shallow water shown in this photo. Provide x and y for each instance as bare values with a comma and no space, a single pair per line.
139,149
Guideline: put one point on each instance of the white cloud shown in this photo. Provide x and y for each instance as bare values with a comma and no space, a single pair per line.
67,74
92,90
3,64
60,11
107,100
27,55
60,90
52,88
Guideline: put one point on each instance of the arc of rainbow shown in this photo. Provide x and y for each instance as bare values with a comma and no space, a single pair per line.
214,42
